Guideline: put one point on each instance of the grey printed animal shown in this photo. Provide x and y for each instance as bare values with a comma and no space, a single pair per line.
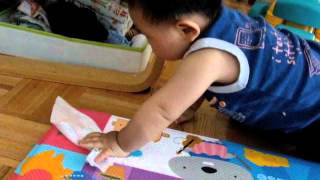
194,168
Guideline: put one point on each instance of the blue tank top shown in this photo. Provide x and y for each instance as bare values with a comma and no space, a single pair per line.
279,83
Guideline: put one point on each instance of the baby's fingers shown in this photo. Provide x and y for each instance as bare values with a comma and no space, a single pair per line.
90,143
94,134
103,155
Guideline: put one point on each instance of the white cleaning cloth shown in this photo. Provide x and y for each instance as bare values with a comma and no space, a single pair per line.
75,125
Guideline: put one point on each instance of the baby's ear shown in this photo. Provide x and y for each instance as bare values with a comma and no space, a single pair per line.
189,29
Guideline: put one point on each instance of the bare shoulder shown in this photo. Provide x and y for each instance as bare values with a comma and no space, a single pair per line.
224,65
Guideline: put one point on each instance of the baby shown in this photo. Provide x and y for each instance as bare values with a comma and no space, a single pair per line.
259,76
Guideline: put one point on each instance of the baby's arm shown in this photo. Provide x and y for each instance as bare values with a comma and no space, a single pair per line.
190,112
196,73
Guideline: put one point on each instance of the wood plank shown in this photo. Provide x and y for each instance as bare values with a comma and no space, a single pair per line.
17,137
5,172
4,100
3,91
9,173
8,80
116,106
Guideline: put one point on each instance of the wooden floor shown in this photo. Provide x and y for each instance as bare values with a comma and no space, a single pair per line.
25,107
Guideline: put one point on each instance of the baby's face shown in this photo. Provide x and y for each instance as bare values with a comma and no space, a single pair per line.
165,38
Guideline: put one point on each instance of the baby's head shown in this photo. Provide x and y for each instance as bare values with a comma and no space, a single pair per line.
171,26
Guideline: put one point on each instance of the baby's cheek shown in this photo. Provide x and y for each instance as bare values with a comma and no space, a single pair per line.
159,52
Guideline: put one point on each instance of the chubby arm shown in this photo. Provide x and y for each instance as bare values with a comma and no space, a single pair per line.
190,112
196,73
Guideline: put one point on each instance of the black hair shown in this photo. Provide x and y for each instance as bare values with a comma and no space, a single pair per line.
166,10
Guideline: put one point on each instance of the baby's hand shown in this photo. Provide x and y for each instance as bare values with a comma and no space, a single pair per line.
107,142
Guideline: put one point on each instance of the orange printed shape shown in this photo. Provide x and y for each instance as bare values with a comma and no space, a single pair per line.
119,124
163,134
262,159
195,140
116,172
318,34
48,162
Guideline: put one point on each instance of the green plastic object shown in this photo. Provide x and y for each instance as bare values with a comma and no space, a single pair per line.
259,9
303,34
304,12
